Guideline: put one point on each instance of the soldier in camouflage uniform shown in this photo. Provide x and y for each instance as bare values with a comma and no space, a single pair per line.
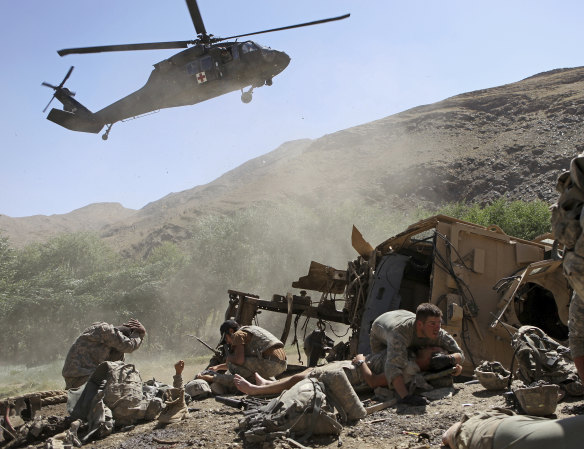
360,371
567,227
100,342
501,429
400,331
253,350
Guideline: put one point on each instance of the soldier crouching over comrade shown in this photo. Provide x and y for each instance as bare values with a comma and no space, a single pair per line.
399,331
252,350
100,342
361,369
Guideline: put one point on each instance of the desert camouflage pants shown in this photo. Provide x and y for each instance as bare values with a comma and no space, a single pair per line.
576,325
501,429
75,382
338,378
267,368
567,227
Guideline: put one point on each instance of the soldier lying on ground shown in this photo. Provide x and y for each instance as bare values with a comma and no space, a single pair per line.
100,342
361,369
252,350
501,429
398,331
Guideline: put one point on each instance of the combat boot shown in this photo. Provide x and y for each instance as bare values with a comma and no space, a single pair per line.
175,408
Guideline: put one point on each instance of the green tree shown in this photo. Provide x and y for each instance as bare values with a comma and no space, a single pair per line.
523,219
7,270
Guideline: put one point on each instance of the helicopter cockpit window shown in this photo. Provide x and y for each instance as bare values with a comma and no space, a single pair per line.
206,63
247,47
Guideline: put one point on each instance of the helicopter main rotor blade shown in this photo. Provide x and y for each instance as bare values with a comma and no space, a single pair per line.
126,47
196,17
316,22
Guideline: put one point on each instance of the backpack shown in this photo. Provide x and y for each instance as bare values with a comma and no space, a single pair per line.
300,412
542,358
123,392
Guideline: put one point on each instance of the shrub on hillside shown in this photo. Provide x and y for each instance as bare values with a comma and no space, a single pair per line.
526,220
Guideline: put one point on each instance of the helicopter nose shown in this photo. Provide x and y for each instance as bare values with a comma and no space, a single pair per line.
281,61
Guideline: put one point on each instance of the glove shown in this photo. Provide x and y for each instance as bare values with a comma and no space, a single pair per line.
413,400
439,362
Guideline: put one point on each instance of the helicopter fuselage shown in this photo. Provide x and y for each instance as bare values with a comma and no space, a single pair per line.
196,74
210,66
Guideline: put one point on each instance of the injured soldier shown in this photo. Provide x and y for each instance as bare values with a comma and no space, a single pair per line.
399,331
368,370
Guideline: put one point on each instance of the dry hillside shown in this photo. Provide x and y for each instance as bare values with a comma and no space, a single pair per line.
510,140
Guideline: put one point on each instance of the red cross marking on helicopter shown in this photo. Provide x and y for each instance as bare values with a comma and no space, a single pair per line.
201,77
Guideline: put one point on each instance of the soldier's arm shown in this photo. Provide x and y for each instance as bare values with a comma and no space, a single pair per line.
116,340
448,343
372,380
238,355
177,380
400,386
136,327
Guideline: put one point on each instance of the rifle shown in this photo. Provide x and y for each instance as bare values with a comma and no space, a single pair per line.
242,404
504,325
215,351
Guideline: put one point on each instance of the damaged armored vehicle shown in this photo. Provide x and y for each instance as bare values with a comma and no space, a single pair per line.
487,284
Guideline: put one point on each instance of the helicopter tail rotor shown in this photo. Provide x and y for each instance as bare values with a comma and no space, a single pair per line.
59,88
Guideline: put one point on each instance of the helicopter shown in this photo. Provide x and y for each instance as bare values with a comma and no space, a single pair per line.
209,67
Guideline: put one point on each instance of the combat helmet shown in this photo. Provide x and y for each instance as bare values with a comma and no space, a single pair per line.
538,400
492,375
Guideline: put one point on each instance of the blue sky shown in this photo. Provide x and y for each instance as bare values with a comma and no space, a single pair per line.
387,57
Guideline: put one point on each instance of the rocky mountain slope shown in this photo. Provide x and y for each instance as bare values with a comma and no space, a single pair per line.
510,140
38,228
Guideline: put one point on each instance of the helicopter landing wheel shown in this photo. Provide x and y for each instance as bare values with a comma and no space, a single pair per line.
246,97
105,135
269,82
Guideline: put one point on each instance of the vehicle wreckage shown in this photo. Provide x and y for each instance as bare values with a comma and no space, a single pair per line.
487,283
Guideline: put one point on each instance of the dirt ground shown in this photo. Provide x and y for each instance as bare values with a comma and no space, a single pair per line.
213,425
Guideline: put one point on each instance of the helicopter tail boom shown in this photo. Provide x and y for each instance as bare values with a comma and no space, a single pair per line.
84,123
74,115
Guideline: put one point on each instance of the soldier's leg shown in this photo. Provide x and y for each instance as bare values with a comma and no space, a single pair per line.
338,387
74,382
576,325
377,339
275,387
264,367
